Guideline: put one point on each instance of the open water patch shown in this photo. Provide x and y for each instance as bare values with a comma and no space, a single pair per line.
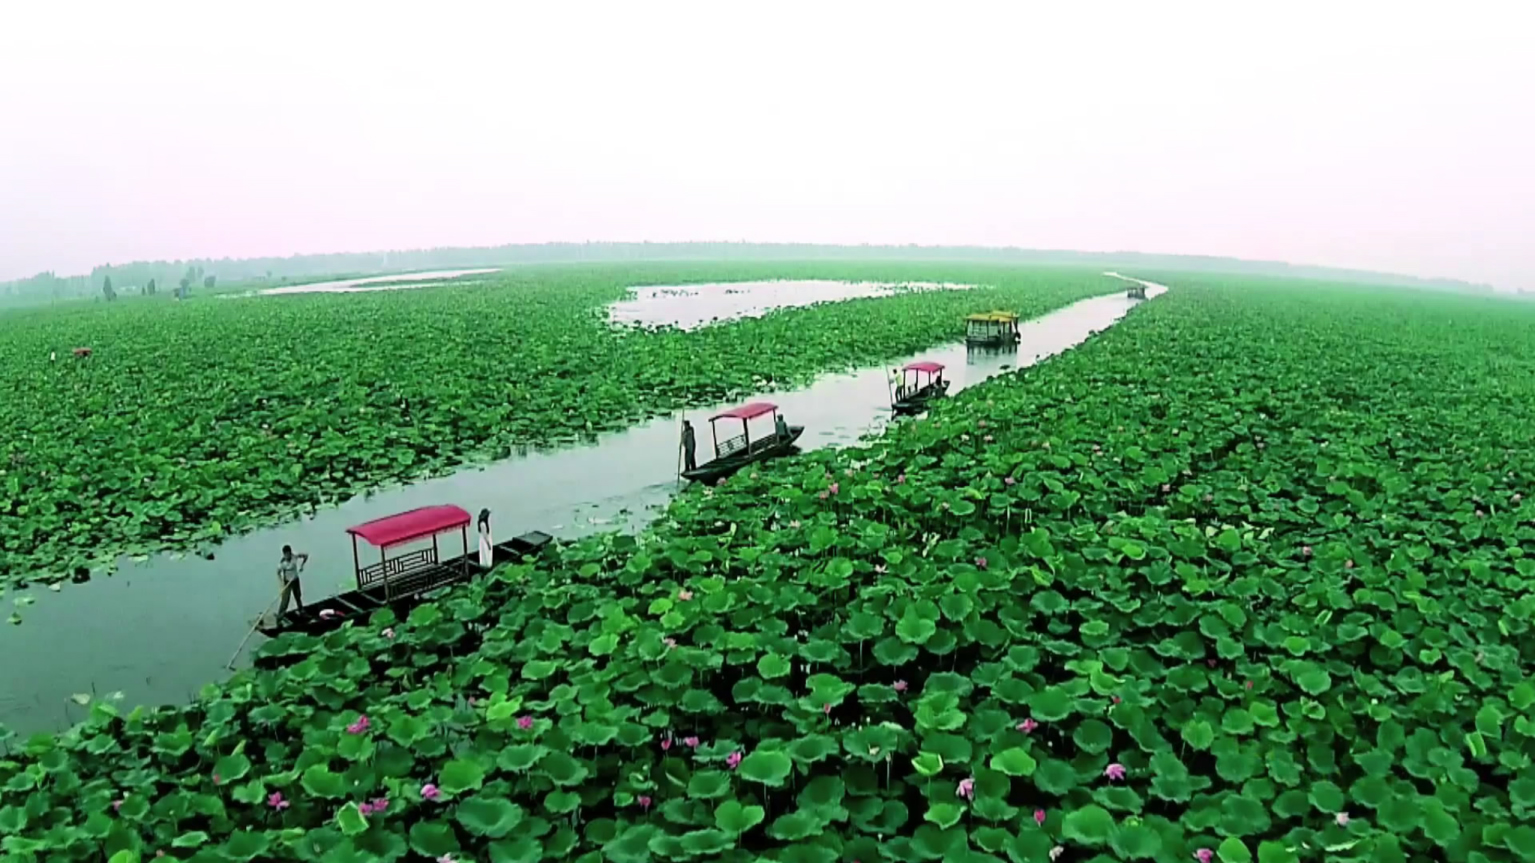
688,307
398,282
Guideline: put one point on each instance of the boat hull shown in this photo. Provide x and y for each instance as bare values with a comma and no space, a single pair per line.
918,402
720,468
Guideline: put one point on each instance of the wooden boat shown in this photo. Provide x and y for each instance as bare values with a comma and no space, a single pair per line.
1136,291
402,581
734,453
992,328
913,394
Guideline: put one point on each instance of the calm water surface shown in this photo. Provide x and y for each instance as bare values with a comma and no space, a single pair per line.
158,630
688,307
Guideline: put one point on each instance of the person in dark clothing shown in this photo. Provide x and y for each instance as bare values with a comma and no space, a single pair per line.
781,426
288,570
689,447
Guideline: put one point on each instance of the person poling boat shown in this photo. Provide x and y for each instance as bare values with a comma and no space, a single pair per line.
288,570
410,564
689,447
912,396
734,453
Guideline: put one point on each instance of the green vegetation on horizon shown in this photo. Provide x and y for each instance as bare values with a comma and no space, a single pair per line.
194,421
48,287
1247,576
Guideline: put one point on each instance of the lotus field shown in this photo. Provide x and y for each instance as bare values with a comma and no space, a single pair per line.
1244,577
192,421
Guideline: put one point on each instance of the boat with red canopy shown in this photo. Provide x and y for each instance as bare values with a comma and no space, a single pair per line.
740,450
916,385
409,564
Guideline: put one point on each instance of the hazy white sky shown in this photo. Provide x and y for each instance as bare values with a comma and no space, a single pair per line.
1394,136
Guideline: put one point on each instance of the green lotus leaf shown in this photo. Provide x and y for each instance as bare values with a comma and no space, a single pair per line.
766,768
1013,762
734,818
1090,825
488,816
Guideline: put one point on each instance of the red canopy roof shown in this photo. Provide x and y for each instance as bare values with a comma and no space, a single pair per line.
746,411
414,524
925,366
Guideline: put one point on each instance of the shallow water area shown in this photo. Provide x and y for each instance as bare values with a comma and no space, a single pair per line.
160,629
689,307
400,282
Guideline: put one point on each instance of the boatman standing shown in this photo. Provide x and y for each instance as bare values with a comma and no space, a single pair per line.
288,570
781,426
689,447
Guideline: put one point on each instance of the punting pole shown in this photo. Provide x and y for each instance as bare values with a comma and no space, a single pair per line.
231,662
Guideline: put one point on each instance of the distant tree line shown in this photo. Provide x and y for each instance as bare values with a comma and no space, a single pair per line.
186,274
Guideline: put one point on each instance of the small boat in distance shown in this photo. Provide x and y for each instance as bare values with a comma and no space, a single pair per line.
402,581
992,328
734,453
912,393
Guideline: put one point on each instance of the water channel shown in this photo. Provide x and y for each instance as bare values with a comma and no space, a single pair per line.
156,631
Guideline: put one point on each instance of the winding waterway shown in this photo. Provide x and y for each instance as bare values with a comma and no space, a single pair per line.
158,630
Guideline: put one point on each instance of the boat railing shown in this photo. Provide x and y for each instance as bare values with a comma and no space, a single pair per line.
400,567
731,446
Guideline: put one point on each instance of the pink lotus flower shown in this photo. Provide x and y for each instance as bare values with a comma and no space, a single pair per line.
447,858
733,760
359,726
690,742
834,488
666,744
1166,487
1518,497
900,686
1115,771
217,780
644,802
1348,564
987,438
1027,726
900,479
1305,551
365,808
388,633
1115,698
684,594
430,792
669,642
966,788
524,722
380,804
276,801
1480,514
1204,855
826,709
1039,817
981,423
1007,480
1341,819
980,562
117,804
